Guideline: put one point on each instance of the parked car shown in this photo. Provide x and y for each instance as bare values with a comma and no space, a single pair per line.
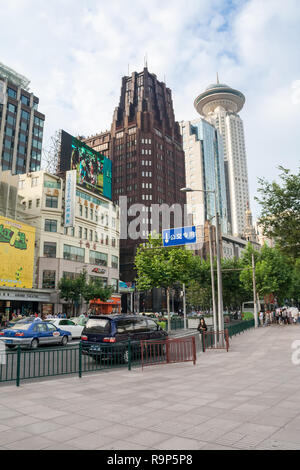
34,334
68,325
117,330
82,320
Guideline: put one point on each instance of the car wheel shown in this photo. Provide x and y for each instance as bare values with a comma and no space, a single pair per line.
64,341
34,344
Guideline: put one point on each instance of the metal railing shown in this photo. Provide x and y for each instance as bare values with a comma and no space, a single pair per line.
23,364
238,328
215,340
170,351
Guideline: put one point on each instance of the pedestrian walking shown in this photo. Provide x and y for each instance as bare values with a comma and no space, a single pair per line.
261,318
202,328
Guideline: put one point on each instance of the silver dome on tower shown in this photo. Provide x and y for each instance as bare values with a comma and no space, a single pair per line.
222,95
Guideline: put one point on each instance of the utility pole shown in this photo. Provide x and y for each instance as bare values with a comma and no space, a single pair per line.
184,307
219,272
254,292
212,277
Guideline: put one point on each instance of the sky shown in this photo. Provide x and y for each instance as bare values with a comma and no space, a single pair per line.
75,53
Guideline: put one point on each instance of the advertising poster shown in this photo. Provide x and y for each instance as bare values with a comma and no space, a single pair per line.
16,253
93,170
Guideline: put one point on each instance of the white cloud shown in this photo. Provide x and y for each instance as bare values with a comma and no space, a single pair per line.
76,52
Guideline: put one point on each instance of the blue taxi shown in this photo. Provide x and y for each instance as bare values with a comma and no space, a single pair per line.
34,334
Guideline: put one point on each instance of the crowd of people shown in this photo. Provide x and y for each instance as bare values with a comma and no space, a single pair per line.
279,316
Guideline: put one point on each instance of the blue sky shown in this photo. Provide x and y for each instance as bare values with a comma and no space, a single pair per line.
76,52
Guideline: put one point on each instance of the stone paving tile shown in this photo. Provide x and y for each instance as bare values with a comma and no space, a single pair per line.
171,427
19,421
68,420
148,438
41,427
180,443
91,425
31,443
272,444
251,429
91,441
123,445
3,427
8,437
60,446
62,435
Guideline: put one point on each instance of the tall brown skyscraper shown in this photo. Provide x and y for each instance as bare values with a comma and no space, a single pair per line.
145,146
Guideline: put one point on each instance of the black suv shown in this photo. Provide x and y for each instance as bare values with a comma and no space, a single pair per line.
116,331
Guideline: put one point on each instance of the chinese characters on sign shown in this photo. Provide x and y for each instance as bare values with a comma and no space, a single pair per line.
180,236
70,197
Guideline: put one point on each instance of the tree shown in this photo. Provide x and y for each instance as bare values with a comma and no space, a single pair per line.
95,290
280,217
162,267
198,296
273,272
71,290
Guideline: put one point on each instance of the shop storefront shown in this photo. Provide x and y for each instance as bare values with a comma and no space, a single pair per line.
23,302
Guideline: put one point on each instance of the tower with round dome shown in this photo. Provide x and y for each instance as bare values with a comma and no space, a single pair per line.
220,104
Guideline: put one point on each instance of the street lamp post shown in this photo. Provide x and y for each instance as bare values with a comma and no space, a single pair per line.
219,269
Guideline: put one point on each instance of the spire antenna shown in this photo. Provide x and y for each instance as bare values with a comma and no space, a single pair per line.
218,81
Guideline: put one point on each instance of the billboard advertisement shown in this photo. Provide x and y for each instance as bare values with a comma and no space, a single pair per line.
93,170
16,253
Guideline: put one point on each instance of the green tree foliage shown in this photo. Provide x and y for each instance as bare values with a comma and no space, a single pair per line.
280,217
198,296
273,272
161,267
71,290
74,290
95,290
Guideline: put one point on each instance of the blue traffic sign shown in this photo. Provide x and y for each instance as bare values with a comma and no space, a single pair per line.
179,236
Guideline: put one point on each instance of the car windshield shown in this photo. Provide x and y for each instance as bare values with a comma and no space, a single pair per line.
21,326
99,325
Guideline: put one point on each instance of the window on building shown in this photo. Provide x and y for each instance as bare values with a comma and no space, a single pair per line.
80,232
73,253
85,233
115,262
49,279
50,225
49,250
52,202
38,203
99,259
12,93
34,182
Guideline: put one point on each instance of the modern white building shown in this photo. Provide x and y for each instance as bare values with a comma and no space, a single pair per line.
91,244
220,105
204,166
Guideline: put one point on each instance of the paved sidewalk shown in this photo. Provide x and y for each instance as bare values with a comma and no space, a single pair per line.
248,398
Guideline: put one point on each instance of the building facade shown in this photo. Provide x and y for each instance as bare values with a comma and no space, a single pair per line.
91,245
21,124
145,146
220,105
204,166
